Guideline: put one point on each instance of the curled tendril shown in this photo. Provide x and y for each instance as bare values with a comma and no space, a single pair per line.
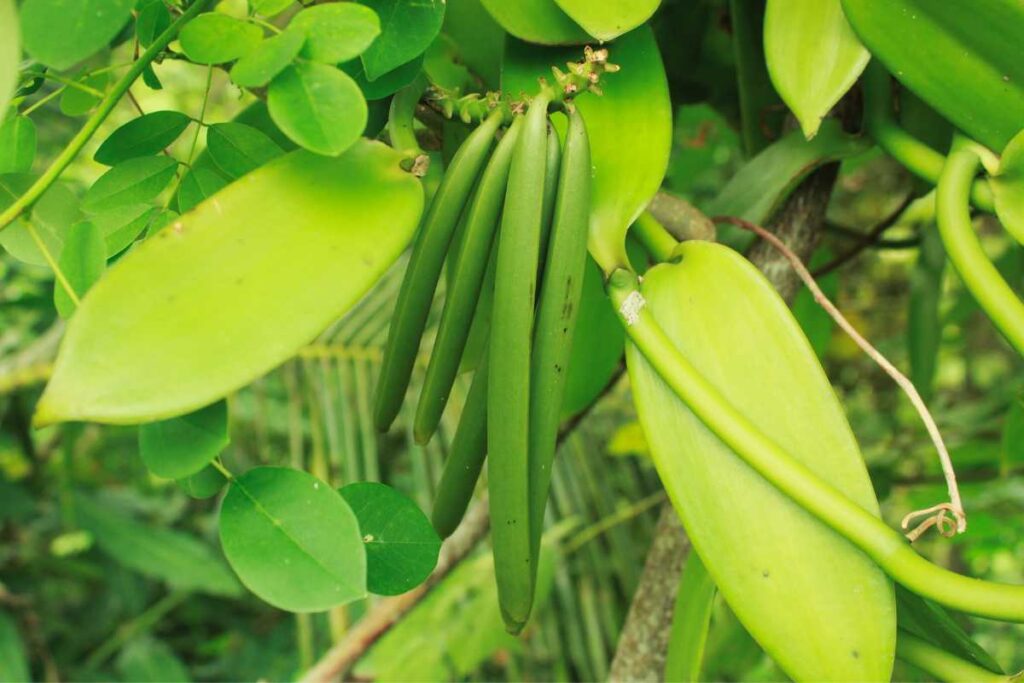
935,516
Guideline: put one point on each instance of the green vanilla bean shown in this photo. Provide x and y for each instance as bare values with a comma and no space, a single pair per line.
465,458
68,154
980,276
886,547
428,254
914,155
557,312
462,296
508,394
943,665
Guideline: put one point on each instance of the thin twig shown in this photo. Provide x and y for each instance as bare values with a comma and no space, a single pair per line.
937,515
868,239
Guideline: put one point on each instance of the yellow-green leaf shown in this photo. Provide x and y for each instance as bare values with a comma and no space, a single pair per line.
10,51
1008,187
821,608
609,19
813,56
537,21
234,287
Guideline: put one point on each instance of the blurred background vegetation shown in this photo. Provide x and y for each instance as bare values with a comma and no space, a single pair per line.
109,573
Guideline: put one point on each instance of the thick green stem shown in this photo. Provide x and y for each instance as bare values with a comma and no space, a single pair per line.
914,155
402,118
106,106
654,236
941,664
979,275
869,533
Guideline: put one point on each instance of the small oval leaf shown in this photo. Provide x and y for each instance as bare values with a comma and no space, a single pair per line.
61,33
215,38
336,33
78,101
82,260
237,148
270,58
17,145
292,540
131,182
318,106
182,446
401,544
205,483
234,287
145,136
813,56
407,30
197,185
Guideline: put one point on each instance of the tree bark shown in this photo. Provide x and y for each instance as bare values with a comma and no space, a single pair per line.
642,648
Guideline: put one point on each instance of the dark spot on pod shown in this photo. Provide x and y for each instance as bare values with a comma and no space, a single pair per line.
856,655
765,573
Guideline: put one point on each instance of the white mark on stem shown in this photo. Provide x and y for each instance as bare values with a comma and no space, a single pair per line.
631,307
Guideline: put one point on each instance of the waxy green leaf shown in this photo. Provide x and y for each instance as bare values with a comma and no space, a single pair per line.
386,85
813,56
120,226
270,58
145,136
1008,188
17,144
79,102
82,260
794,573
131,182
318,106
182,446
401,544
154,18
180,560
61,33
336,33
215,38
757,189
630,129
962,58
292,540
205,483
10,51
237,148
537,21
269,8
609,19
234,287
407,29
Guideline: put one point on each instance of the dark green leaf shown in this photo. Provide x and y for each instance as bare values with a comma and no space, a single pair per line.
237,148
198,184
150,78
145,660
10,51
182,446
61,33
206,483
147,135
270,58
120,226
407,29
130,182
961,58
154,19
17,145
78,102
292,540
13,660
386,85
82,260
337,32
319,107
927,620
178,559
215,38
401,544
